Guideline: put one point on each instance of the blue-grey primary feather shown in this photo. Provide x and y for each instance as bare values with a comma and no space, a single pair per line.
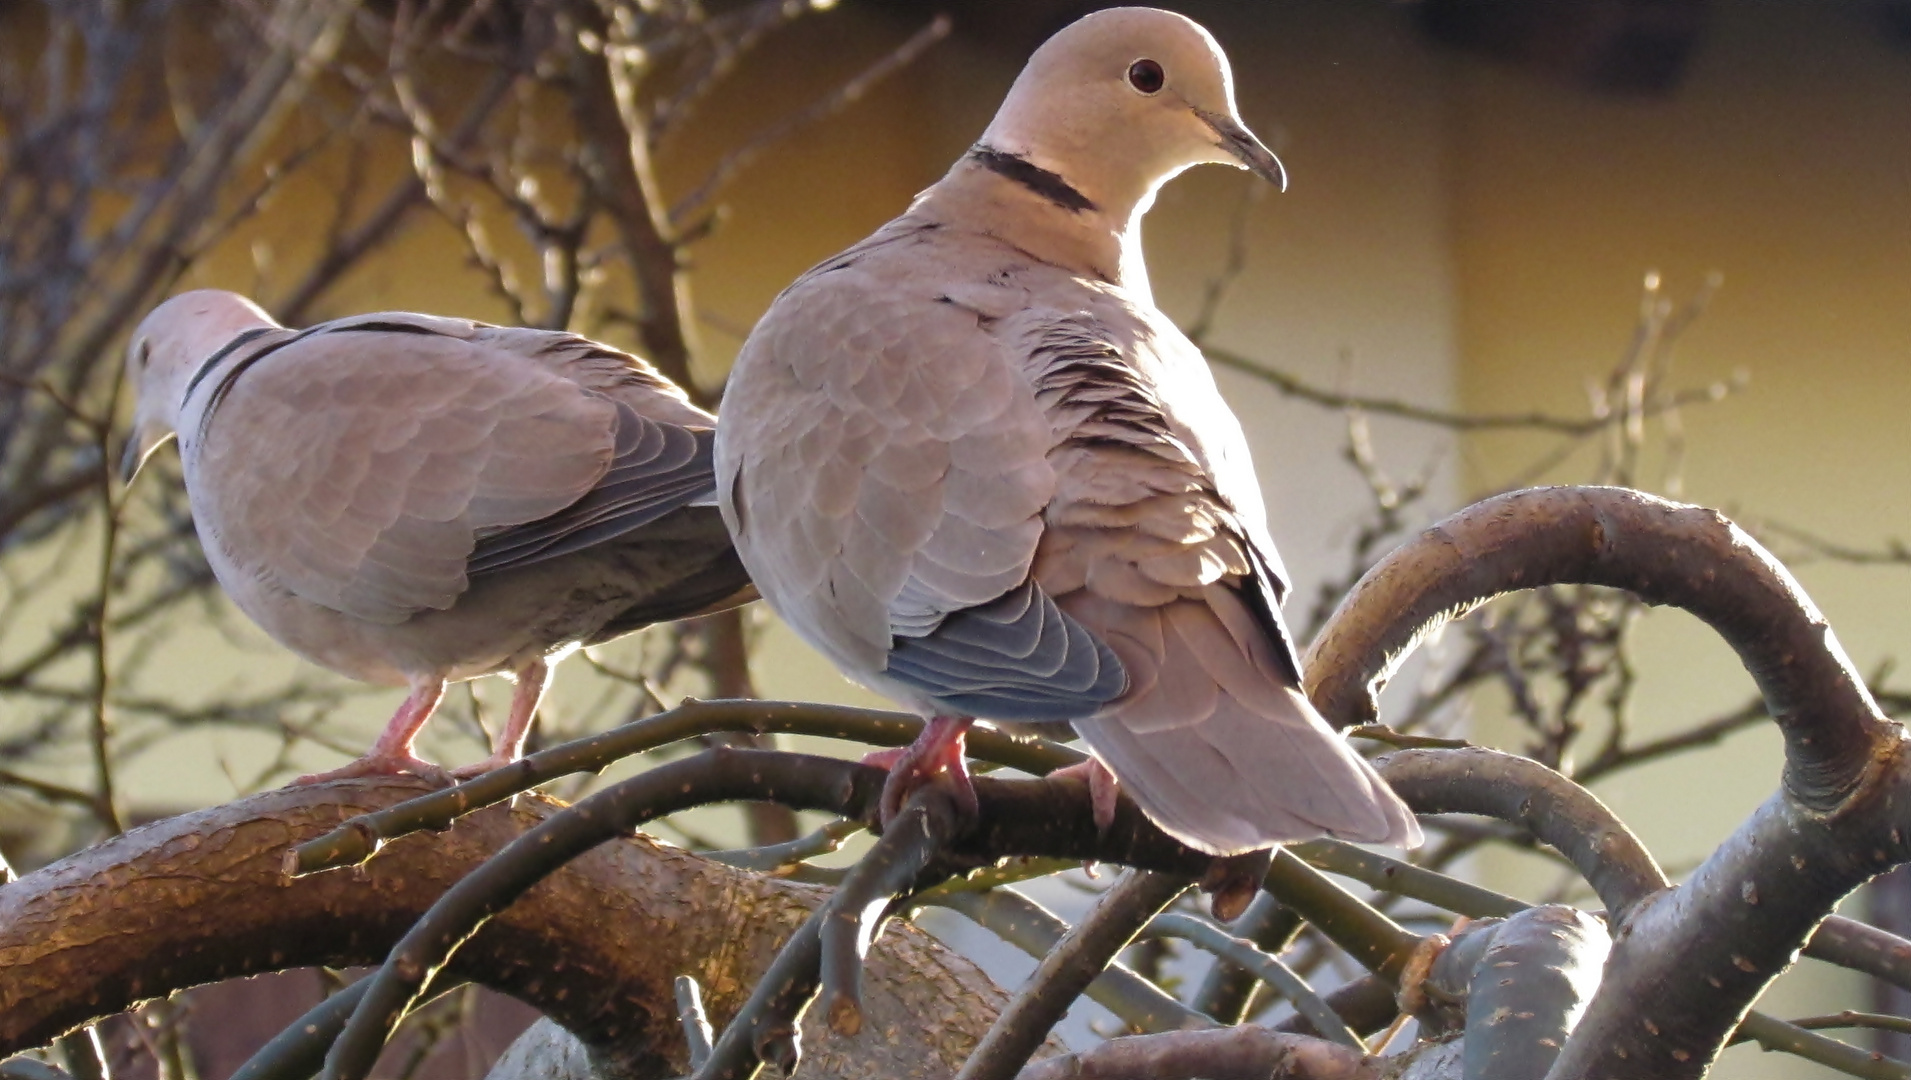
657,468
1016,658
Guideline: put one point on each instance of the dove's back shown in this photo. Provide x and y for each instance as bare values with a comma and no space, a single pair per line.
986,485
393,494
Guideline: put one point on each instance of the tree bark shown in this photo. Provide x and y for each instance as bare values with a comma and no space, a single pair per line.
201,897
1687,961
1663,552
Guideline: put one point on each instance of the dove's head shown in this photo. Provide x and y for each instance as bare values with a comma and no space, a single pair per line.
167,350
1123,99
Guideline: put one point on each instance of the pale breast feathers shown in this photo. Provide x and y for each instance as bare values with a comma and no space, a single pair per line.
892,464
929,469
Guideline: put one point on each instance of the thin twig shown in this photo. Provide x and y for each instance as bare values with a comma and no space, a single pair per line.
298,1051
866,897
1385,874
1066,971
1139,1004
1228,990
1852,1019
737,160
1266,967
1457,421
772,857
359,838
1774,1034
696,1026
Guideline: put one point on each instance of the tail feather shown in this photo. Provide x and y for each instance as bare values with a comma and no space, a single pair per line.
1246,761
1242,779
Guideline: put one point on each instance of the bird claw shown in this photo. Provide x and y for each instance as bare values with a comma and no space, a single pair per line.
1232,881
1104,791
479,768
935,758
885,759
380,765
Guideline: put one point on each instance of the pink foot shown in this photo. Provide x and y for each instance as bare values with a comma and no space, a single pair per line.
934,758
885,759
380,765
497,760
391,755
1103,789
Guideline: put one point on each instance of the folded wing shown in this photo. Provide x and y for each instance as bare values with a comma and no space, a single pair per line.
373,465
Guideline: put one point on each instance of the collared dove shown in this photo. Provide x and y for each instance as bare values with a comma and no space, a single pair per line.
410,500
971,463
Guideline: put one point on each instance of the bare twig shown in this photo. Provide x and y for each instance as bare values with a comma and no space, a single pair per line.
1013,917
1066,971
696,1027
1227,990
1456,421
1265,967
848,93
358,839
866,897
1793,1039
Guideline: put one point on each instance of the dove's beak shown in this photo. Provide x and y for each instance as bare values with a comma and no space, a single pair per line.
139,446
1241,144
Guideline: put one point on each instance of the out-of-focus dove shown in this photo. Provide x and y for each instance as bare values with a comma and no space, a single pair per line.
970,462
411,500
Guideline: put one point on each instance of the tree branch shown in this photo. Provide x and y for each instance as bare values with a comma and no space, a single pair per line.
1663,552
356,840
1236,1053
1067,970
1688,962
1525,793
596,946
1027,925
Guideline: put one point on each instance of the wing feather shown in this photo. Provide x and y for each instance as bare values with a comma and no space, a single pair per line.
364,463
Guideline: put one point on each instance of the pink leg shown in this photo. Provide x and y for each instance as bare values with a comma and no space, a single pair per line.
391,755
531,680
1103,788
934,758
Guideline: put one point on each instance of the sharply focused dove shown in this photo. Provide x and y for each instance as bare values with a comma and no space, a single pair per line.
410,500
971,462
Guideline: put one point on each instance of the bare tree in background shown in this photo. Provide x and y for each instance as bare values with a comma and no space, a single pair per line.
133,152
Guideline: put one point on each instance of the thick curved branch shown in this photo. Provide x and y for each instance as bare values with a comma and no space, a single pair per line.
188,864
1552,808
1663,552
596,946
1687,963
713,776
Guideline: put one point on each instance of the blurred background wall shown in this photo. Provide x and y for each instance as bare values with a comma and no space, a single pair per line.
1479,191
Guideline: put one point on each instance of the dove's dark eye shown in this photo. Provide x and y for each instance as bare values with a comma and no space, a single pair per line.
145,353
1146,76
